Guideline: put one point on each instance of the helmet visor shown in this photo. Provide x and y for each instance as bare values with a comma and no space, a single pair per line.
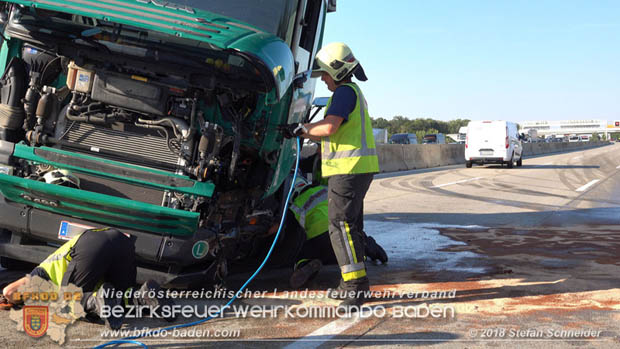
316,70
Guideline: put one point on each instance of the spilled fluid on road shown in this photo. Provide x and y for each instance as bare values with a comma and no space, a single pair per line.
423,245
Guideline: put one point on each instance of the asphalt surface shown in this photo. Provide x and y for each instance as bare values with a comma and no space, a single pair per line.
522,257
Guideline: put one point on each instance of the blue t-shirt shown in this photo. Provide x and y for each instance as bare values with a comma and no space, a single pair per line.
343,102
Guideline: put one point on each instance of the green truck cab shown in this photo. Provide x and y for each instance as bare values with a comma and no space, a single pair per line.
156,118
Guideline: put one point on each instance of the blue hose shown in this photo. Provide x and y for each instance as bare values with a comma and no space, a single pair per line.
130,340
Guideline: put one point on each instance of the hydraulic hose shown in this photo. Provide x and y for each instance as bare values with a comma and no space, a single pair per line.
131,340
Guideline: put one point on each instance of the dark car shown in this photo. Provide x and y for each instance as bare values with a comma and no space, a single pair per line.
404,138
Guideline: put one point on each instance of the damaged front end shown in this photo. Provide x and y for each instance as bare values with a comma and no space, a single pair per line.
157,120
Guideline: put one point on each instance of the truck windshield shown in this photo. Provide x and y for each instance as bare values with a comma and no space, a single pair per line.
273,16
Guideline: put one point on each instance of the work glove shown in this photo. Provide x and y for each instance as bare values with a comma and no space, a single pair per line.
374,251
292,130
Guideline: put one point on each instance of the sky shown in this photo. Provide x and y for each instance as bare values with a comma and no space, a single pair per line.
497,59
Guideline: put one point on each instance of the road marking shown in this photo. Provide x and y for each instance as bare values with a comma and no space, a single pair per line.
327,332
618,167
549,163
457,182
583,188
577,157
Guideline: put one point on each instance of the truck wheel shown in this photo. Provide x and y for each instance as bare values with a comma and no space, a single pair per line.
520,162
468,164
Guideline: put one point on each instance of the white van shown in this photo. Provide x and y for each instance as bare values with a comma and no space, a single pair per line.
493,142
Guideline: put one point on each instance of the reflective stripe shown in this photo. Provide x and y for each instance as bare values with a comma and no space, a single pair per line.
56,257
362,113
348,231
345,241
352,267
313,201
354,275
301,215
56,264
328,154
351,153
299,262
296,209
326,143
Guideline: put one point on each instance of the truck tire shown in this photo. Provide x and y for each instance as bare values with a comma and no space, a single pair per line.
520,162
468,164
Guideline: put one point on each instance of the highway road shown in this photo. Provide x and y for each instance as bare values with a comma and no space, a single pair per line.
521,257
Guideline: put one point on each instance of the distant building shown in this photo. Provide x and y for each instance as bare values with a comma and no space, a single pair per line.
570,127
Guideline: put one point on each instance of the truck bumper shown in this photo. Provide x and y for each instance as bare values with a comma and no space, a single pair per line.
165,259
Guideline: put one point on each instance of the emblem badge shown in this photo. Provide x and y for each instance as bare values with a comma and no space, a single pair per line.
35,320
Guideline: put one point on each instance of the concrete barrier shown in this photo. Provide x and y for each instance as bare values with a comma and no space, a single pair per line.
400,157
391,157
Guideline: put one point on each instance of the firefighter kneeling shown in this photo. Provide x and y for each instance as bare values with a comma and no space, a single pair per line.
101,262
310,207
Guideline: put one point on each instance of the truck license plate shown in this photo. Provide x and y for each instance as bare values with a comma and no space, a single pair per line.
70,230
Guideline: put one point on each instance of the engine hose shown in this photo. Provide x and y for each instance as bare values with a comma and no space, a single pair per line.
169,121
131,340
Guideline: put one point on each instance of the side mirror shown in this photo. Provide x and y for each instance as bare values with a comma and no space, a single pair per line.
320,102
331,6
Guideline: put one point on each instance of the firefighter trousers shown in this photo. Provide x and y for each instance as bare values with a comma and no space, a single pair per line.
346,225
106,255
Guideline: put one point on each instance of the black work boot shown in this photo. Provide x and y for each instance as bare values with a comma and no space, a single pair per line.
352,293
374,251
98,303
304,272
150,294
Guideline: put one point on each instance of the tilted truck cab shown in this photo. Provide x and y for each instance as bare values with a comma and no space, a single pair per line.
156,118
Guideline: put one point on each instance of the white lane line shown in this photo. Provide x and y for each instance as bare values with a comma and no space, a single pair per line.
457,182
618,167
585,187
327,332
577,157
549,163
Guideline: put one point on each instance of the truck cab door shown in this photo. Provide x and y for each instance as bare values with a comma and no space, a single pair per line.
309,25
307,35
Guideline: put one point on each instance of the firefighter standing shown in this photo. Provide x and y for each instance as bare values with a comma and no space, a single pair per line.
349,161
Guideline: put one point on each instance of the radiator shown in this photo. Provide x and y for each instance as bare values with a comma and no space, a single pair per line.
146,143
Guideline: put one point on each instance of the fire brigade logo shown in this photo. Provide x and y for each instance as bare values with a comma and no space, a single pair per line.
35,320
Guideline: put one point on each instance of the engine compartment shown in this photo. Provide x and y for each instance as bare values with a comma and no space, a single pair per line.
122,94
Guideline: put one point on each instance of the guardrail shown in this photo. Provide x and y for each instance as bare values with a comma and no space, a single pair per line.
400,157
